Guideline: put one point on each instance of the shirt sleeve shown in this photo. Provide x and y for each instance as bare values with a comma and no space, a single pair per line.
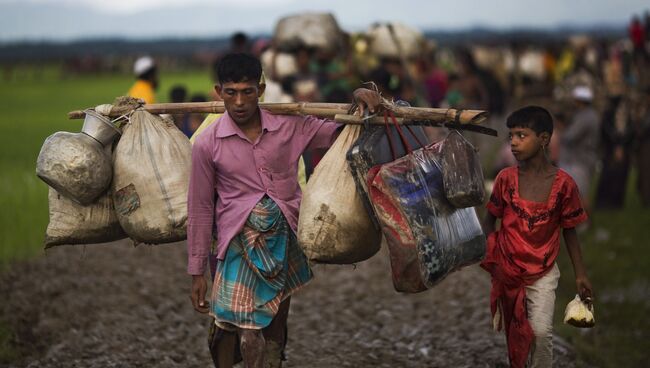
318,133
201,200
573,212
495,204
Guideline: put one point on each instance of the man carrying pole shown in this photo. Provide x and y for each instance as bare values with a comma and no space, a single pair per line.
244,193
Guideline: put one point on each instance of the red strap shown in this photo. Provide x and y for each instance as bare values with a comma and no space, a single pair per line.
399,131
390,139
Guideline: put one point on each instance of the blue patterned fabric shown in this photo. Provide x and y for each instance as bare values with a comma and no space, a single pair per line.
262,267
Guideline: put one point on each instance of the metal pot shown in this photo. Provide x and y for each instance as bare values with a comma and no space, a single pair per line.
79,165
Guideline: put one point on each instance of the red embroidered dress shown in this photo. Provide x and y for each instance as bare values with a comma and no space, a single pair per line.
524,249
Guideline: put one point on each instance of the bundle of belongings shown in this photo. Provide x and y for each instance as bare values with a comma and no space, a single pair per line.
334,226
417,194
130,179
110,182
580,313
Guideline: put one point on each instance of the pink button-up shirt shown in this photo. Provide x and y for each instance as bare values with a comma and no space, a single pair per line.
230,174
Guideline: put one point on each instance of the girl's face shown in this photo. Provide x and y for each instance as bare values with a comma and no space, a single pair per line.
526,144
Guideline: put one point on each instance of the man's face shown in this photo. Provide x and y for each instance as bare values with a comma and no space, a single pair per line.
240,99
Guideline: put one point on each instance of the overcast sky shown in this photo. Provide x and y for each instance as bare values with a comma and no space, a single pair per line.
70,19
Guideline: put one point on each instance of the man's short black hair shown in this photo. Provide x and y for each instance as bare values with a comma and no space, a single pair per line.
533,117
239,67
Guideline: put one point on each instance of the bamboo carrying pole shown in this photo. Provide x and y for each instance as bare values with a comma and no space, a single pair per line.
452,118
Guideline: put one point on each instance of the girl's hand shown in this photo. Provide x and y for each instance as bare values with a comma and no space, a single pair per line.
584,288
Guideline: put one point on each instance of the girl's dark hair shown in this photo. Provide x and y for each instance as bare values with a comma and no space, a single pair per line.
534,117
239,67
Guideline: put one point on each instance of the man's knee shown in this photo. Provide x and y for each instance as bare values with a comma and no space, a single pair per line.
253,348
251,338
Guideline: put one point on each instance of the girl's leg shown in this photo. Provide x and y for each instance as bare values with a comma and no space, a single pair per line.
541,303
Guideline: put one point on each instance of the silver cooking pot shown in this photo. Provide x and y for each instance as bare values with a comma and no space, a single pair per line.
79,165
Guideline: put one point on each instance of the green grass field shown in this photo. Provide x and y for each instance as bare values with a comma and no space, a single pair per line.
34,106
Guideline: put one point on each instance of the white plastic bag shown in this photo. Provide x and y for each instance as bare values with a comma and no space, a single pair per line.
151,179
579,313
334,226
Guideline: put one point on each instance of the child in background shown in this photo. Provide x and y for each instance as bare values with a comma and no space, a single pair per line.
178,94
534,200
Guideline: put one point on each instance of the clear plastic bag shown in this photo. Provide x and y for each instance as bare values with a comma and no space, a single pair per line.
419,223
446,238
461,171
378,145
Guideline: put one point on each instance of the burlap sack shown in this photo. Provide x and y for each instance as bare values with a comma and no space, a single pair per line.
151,179
334,226
72,223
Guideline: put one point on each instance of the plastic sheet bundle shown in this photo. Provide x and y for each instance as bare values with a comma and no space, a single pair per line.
405,263
374,148
427,236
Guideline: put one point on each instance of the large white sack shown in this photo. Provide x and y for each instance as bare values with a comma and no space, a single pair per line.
395,40
72,223
151,179
334,226
283,66
317,30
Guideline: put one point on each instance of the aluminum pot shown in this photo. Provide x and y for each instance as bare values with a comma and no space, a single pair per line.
79,165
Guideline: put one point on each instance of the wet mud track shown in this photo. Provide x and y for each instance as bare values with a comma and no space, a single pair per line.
113,305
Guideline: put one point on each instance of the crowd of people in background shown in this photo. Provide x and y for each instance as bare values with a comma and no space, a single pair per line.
597,89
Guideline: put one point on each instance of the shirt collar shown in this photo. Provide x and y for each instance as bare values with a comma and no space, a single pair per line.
270,122
227,127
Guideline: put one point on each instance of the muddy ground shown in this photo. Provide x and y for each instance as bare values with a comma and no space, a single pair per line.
118,306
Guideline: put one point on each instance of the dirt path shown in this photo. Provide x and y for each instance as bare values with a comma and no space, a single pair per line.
119,306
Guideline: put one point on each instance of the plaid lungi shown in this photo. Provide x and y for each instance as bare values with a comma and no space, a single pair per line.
262,267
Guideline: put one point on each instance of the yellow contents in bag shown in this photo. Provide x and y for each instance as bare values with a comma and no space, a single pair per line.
579,313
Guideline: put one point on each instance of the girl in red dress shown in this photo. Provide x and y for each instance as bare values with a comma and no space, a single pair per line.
534,200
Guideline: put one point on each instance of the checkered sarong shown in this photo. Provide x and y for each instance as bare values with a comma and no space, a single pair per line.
262,267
